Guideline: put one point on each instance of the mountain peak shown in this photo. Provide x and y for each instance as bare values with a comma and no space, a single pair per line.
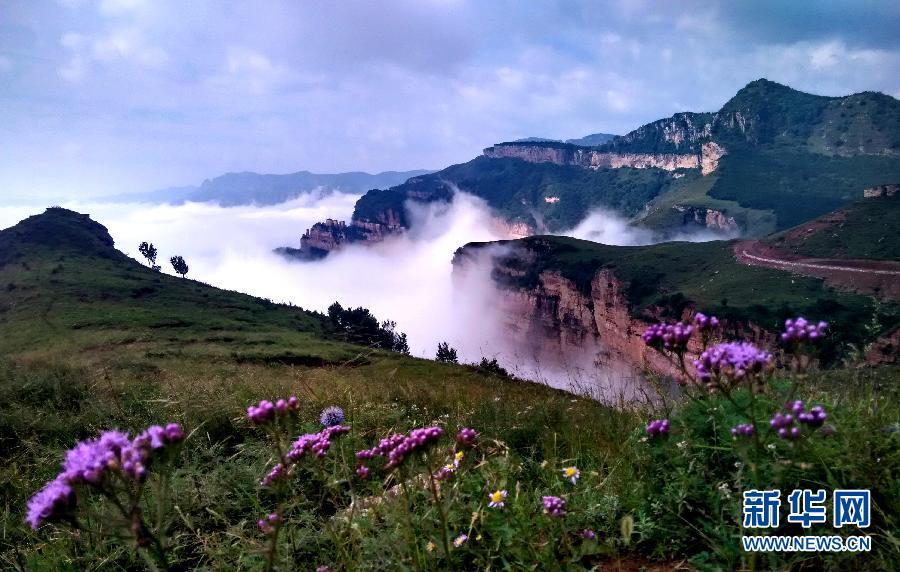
58,228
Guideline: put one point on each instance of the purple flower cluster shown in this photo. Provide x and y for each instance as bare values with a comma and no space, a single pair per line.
815,417
733,360
316,443
588,534
89,462
332,415
397,447
668,336
266,411
742,430
554,506
658,427
267,525
800,330
705,323
466,436
783,424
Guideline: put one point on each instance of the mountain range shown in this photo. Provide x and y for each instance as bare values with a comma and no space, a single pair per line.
772,157
235,189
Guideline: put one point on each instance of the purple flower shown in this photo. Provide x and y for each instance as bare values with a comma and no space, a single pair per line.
50,502
267,525
316,443
466,436
672,337
277,472
588,534
362,472
333,415
705,323
742,430
732,360
800,330
815,417
658,427
262,413
554,506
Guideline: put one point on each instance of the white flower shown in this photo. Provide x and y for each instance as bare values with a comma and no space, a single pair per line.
682,444
572,473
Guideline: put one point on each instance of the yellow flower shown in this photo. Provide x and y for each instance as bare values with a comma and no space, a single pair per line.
430,546
571,473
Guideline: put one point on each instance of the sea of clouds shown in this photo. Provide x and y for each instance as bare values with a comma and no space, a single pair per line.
406,278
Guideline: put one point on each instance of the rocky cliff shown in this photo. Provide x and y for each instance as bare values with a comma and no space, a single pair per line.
708,218
707,159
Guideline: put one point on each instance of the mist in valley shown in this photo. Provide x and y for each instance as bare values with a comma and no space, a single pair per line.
407,278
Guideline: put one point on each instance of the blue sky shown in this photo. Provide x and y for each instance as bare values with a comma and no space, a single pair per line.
110,96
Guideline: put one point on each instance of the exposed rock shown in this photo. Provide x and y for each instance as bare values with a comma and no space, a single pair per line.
886,349
710,153
881,191
707,160
708,218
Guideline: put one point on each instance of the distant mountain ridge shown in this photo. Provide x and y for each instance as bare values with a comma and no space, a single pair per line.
772,157
587,141
245,188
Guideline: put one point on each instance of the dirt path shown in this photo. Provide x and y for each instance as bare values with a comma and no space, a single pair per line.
879,277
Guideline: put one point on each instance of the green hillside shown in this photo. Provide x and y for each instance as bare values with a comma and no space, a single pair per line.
868,228
670,276
90,340
517,190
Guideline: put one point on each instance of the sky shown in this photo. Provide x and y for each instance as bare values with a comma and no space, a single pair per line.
101,97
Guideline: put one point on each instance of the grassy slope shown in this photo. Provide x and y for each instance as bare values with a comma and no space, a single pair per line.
90,339
81,353
868,228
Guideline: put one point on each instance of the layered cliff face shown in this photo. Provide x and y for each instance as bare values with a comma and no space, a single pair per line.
587,158
707,159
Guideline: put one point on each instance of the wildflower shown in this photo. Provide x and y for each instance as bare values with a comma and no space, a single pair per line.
554,506
331,416
668,336
430,546
588,534
732,361
800,330
682,444
742,430
724,490
50,503
323,568
362,472
267,525
658,427
316,443
460,540
277,472
815,417
497,498
466,436
457,458
770,446
705,323
262,413
572,473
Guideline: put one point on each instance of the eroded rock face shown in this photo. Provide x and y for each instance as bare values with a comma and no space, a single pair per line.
707,160
708,218
881,191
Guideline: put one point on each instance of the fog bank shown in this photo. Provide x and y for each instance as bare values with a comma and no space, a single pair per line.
406,278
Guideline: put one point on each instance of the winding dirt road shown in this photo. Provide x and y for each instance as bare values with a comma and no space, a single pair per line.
878,277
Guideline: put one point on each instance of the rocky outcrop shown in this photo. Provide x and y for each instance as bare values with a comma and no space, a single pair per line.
708,218
707,160
881,191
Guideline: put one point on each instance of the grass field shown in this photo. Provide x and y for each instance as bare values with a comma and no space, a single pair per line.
92,340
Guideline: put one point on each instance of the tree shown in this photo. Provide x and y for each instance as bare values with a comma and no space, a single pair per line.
179,265
149,252
359,326
446,354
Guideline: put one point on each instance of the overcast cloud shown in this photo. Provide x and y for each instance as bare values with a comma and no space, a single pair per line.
100,97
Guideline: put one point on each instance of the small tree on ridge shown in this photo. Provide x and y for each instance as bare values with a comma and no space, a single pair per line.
148,251
179,265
